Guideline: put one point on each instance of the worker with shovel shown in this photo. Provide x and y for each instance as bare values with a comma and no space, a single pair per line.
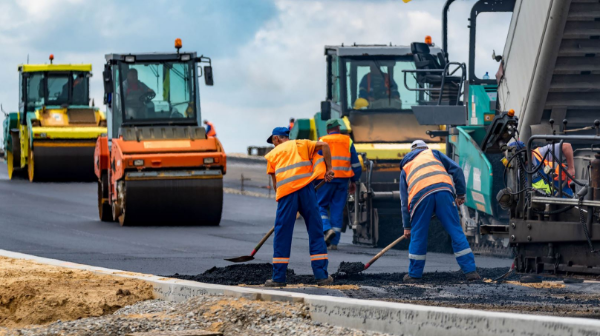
429,182
293,165
332,196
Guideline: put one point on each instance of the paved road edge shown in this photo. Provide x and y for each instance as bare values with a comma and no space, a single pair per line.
394,318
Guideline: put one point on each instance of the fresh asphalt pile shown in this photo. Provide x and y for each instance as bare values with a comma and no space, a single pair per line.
447,289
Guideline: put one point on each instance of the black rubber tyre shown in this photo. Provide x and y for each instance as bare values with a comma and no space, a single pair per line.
104,208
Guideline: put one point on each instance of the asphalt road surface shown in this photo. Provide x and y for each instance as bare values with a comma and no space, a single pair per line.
60,221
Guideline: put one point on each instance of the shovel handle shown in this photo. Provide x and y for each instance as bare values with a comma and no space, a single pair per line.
262,241
320,185
387,248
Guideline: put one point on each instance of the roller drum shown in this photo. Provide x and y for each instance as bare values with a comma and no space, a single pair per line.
62,163
173,202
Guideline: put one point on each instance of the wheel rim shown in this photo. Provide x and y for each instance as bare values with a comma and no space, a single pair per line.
30,166
10,164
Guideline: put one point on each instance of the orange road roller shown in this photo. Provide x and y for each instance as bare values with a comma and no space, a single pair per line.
156,166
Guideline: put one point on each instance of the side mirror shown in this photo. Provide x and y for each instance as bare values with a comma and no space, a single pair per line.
108,81
325,110
208,76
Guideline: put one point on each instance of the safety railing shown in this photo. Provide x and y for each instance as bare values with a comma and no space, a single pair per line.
445,73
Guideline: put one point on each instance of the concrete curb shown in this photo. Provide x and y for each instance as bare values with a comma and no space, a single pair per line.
393,318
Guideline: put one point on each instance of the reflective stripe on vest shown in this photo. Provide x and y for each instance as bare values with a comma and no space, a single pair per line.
423,171
293,168
212,131
552,164
341,162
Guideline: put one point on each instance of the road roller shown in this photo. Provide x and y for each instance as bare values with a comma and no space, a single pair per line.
156,166
54,133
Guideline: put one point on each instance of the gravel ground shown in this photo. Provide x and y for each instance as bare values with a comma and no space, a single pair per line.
232,316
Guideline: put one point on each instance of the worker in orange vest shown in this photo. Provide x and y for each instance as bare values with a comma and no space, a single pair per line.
292,120
431,182
293,165
332,196
210,129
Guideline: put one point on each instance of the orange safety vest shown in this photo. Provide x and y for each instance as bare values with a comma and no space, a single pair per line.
550,163
424,170
291,125
294,166
339,145
212,133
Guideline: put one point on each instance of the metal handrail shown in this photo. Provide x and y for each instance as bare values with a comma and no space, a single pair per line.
444,72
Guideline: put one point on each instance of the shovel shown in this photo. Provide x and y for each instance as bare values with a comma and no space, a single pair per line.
263,240
354,268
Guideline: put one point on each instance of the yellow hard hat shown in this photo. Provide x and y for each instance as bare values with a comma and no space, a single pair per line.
360,103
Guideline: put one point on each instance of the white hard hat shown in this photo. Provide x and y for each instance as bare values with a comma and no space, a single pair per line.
418,144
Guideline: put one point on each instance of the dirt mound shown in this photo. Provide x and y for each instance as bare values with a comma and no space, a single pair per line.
32,293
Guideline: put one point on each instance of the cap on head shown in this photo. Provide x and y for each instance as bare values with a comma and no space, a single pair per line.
333,123
418,144
279,131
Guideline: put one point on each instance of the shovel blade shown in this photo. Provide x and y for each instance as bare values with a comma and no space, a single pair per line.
240,259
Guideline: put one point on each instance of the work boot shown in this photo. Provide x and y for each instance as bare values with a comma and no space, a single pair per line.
408,279
329,235
325,282
332,247
271,283
472,276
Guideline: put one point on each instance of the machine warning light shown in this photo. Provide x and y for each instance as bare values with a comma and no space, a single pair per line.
511,113
428,40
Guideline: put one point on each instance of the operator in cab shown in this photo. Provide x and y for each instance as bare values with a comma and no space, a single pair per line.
332,196
293,165
137,94
376,85
548,174
431,182
78,92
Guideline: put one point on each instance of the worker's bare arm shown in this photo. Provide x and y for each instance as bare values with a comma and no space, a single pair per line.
567,150
324,148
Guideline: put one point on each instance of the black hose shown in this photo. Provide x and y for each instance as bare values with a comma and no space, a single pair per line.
554,212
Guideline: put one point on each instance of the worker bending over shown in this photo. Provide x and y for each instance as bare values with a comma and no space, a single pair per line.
550,171
332,196
428,180
210,129
293,165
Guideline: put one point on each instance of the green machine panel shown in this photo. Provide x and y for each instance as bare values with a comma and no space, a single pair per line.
476,167
482,104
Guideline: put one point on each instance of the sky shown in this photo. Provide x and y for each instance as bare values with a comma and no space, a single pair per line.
267,55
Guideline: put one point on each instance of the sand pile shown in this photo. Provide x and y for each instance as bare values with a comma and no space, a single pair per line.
32,293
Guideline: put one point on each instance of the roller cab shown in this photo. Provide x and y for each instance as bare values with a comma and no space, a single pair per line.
53,135
366,91
156,166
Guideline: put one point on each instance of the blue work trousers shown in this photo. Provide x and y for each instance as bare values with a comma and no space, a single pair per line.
305,202
332,198
442,203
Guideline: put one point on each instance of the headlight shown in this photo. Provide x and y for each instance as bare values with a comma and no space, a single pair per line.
138,162
185,57
129,59
208,160
43,135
